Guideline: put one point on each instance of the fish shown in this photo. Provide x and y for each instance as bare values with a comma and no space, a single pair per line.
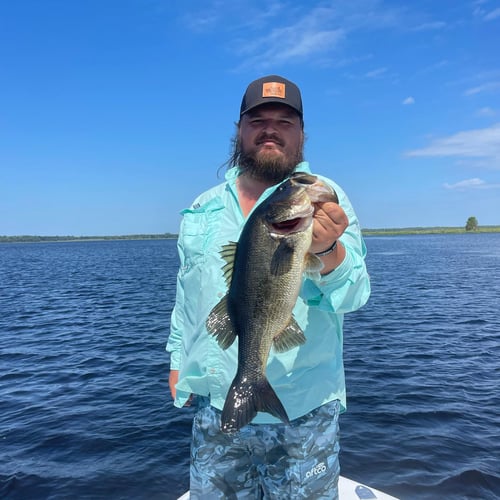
264,272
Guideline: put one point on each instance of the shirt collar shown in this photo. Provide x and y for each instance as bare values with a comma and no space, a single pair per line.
233,172
232,175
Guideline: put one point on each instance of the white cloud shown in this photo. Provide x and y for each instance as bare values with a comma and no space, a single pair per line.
468,184
484,14
294,44
433,67
485,87
481,144
375,73
311,36
277,32
212,16
486,111
494,14
409,100
436,25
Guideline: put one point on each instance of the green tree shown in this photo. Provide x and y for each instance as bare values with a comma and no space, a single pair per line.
471,224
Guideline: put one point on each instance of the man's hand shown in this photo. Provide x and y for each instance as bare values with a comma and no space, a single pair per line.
330,222
173,378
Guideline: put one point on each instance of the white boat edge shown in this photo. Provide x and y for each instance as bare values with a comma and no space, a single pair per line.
348,490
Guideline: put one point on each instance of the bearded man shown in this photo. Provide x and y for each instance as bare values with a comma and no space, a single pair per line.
266,458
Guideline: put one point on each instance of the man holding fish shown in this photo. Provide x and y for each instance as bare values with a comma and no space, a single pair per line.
271,260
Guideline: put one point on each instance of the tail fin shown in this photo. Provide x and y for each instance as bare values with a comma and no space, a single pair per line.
245,399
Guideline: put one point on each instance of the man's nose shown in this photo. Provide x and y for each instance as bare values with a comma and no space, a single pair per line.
270,126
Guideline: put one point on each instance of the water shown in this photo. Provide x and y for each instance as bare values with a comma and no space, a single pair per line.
85,410
422,365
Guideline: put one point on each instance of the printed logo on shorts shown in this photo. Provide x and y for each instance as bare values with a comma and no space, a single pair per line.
317,469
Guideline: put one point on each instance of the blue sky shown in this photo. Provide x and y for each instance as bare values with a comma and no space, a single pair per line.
114,114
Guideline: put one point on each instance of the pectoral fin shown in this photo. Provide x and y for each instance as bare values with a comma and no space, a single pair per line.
292,336
282,258
312,265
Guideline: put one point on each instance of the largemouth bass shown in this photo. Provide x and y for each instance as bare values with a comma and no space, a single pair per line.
264,272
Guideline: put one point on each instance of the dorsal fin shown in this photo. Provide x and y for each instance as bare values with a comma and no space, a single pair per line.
228,253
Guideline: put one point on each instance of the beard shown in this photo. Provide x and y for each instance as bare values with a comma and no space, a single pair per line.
264,165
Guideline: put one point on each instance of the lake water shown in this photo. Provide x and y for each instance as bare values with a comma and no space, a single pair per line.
85,410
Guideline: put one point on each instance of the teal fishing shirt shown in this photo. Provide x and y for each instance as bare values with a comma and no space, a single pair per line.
304,377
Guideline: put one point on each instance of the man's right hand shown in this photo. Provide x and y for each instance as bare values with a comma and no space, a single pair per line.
173,377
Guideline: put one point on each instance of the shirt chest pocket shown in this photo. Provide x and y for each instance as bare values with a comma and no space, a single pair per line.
200,226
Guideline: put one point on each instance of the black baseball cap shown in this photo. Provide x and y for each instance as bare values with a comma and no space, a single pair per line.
272,88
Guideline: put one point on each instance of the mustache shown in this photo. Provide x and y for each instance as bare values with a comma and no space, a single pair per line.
265,137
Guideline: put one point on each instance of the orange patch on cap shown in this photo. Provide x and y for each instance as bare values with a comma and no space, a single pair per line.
273,89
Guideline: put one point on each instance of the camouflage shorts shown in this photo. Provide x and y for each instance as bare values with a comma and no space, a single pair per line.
274,461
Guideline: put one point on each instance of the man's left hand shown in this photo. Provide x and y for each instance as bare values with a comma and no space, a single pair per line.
330,222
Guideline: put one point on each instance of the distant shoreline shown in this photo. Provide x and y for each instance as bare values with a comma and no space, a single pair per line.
48,239
172,236
428,230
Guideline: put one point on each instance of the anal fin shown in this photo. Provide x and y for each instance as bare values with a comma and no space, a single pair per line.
219,324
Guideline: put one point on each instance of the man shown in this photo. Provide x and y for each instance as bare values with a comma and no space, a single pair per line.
266,457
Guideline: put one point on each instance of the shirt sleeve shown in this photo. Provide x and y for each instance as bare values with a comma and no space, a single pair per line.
174,344
346,288
196,224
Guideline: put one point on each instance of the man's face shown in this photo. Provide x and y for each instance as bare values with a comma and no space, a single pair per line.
271,141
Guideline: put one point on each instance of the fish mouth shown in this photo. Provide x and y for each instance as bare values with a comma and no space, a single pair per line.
288,226
293,225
